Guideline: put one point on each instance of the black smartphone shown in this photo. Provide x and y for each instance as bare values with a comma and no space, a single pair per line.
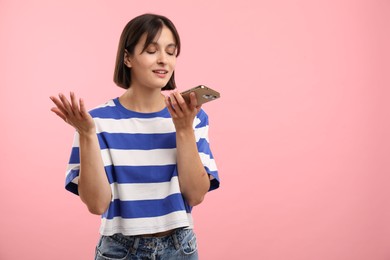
203,94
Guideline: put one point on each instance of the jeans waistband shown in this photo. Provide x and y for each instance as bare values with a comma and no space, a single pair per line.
152,242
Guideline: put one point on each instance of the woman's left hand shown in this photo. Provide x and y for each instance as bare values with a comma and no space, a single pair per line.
182,114
193,179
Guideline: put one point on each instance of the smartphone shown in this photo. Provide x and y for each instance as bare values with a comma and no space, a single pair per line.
203,94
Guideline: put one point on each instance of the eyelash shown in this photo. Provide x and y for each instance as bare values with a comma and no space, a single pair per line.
153,52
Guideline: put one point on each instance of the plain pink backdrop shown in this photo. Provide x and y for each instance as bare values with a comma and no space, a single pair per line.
300,135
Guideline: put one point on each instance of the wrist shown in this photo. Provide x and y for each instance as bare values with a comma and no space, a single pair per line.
189,131
87,134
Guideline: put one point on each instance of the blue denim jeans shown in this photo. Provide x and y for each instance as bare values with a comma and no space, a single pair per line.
181,244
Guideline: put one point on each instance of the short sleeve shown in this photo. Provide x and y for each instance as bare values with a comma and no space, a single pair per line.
73,168
201,124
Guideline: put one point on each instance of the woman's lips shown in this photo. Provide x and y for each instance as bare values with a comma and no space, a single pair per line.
161,73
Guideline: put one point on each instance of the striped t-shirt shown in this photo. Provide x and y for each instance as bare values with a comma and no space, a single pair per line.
139,156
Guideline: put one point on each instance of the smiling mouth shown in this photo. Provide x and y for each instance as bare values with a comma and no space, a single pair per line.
160,71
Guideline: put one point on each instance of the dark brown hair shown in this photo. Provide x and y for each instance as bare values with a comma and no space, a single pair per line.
150,24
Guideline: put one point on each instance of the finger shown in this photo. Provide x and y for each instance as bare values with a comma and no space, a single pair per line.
59,104
175,104
55,100
181,105
66,104
75,106
58,113
172,101
193,100
169,106
180,100
83,111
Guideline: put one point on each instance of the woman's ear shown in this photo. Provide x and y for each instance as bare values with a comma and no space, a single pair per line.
126,59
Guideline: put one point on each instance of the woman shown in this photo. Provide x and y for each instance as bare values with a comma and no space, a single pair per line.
142,160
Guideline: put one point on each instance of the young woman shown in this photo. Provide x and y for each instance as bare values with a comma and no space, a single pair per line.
142,160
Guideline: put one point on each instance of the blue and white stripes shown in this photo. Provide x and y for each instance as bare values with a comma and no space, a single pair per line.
139,155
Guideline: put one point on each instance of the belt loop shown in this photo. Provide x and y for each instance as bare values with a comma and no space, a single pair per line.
135,245
175,240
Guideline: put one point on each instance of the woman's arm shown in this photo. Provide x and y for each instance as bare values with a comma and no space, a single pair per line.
93,186
193,178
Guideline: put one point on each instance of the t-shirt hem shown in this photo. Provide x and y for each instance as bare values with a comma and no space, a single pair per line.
135,231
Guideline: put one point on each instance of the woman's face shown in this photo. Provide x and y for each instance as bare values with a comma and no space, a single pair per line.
154,67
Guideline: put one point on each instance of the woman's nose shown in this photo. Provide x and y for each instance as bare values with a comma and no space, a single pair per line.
162,58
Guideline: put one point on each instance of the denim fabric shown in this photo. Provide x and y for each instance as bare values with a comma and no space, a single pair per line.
181,244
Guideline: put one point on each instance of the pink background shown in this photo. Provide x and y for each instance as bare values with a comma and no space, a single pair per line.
300,135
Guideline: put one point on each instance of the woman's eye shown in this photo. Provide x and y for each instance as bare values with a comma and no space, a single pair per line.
171,50
151,49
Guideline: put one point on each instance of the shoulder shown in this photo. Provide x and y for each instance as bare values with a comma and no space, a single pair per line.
105,110
201,119
202,113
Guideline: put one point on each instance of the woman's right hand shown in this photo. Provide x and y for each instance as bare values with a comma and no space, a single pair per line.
74,113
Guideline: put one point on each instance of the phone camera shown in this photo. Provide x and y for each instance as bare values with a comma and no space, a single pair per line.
208,96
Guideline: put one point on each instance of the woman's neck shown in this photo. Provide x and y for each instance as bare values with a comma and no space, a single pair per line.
143,100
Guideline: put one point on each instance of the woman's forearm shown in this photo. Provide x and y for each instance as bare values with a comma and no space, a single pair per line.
94,188
193,178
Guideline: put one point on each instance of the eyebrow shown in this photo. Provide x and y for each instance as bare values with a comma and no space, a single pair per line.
169,45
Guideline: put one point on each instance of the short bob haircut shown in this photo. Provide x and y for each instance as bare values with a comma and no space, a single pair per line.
151,24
